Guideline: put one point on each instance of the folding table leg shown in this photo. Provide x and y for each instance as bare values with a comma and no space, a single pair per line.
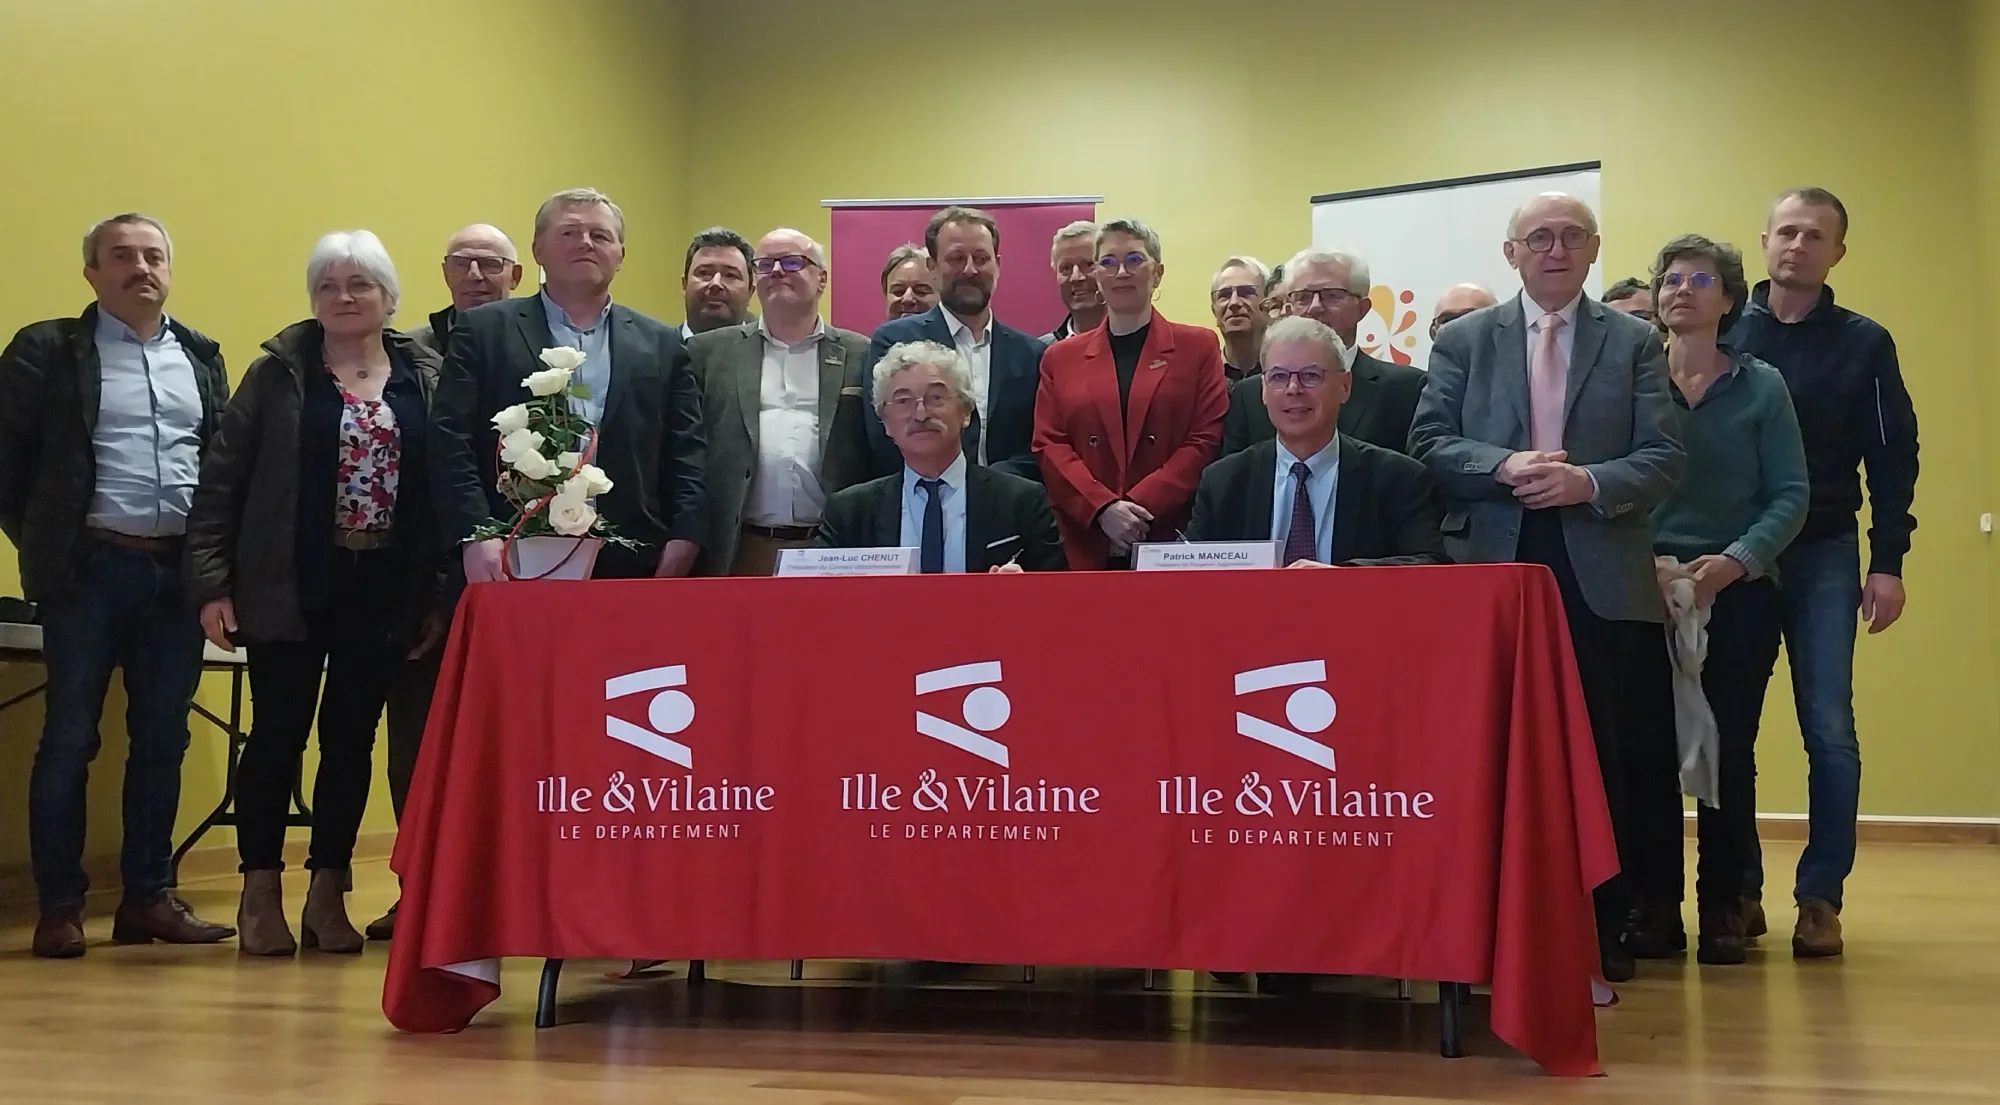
798,969
697,972
1146,980
1404,991
1028,976
1449,1000
545,1001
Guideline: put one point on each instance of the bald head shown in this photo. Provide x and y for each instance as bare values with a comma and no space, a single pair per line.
1459,299
1552,242
1546,203
480,266
791,275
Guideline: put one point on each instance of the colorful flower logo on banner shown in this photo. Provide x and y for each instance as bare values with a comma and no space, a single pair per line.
1388,330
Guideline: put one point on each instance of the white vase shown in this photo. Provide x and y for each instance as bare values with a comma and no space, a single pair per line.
550,557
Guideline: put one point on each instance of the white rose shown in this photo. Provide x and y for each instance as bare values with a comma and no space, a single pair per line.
592,479
534,465
565,357
549,381
568,461
571,515
515,444
512,420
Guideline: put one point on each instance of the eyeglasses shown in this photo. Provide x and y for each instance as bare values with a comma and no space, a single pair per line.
788,264
1075,270
933,400
1698,280
458,264
1279,379
1235,291
1332,297
1131,262
1544,239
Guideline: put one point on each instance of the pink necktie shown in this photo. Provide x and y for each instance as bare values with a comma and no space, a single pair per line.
1547,378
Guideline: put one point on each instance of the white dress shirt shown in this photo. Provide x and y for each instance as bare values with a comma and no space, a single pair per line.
916,499
978,352
1321,487
785,489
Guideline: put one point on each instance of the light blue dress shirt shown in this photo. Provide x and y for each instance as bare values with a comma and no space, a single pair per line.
914,501
148,437
595,342
1320,487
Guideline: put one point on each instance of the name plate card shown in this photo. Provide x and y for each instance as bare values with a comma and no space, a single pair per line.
847,562
1184,555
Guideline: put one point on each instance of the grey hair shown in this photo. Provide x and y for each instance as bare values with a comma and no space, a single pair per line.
911,354
1255,266
95,234
578,197
1358,276
364,251
1514,220
1131,228
1082,228
813,249
1302,328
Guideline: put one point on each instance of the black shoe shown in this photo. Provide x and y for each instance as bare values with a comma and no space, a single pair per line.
1722,941
1656,933
1754,924
1615,962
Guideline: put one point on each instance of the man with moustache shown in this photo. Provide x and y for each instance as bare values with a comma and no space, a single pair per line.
1458,301
1854,411
103,422
640,394
1005,363
1071,258
1332,288
1325,497
480,266
1235,296
909,282
1548,427
769,398
715,281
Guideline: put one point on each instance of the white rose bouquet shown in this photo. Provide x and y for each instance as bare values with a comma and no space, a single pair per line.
545,449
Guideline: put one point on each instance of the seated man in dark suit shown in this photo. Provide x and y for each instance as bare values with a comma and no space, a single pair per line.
1328,497
961,517
1332,288
1005,363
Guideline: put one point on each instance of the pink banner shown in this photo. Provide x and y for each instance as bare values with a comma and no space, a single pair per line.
1026,296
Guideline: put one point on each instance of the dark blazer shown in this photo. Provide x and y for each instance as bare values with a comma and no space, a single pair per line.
1009,425
650,446
729,365
1004,515
1620,424
1383,509
1378,409
1093,454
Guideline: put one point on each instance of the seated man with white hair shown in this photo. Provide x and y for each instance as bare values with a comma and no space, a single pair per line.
1326,496
960,517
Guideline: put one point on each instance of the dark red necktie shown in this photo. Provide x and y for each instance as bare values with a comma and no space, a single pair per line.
1301,540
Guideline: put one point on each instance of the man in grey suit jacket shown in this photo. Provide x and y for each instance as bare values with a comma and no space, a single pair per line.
1547,424
770,389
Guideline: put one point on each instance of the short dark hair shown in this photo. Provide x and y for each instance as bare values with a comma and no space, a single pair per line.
714,237
957,214
1625,289
1814,197
1728,262
908,251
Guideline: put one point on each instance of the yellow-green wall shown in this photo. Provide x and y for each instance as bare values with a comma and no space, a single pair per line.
253,126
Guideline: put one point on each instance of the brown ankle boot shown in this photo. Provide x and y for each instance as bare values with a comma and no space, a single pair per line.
323,924
260,917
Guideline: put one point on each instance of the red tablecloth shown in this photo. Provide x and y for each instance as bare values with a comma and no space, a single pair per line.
1378,771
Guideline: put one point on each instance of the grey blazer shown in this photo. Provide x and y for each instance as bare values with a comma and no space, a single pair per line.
1620,424
729,367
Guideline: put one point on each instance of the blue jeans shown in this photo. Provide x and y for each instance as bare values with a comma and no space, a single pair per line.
1819,596
126,610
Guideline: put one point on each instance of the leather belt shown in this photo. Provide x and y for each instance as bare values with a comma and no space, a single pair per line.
363,540
155,546
783,533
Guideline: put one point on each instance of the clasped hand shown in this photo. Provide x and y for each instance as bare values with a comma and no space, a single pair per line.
1543,479
1124,523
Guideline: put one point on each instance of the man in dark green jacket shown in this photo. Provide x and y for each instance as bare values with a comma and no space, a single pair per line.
103,420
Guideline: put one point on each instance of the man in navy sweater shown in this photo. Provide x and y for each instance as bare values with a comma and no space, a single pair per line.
1853,412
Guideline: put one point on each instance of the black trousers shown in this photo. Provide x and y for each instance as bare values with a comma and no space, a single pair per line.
1612,664
1744,629
409,707
348,644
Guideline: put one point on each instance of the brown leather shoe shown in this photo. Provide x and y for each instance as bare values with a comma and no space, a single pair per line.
1656,933
1818,933
167,919
59,934
1754,923
383,927
1721,942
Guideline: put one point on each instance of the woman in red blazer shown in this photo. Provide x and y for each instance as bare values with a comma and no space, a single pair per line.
1128,414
